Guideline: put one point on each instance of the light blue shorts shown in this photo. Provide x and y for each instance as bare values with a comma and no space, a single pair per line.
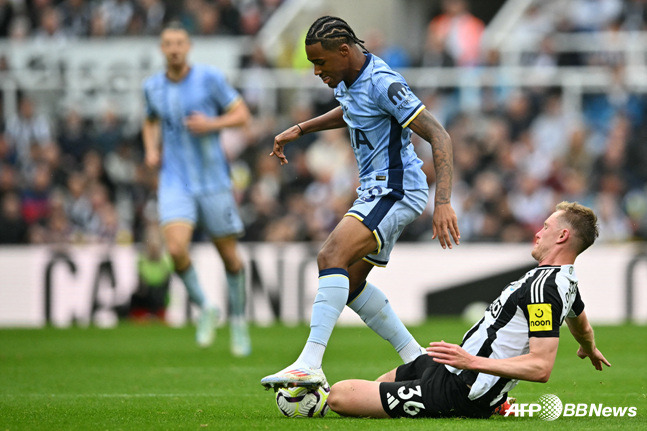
216,212
386,212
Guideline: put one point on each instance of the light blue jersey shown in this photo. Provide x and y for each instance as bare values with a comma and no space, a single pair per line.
378,106
194,182
193,163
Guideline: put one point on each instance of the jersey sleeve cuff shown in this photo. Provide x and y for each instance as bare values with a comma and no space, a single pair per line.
413,116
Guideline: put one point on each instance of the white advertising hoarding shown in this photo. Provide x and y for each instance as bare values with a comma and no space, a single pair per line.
82,284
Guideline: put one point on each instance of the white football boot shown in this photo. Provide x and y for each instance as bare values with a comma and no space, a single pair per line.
293,376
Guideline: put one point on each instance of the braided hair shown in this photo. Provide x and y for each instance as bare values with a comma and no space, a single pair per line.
331,32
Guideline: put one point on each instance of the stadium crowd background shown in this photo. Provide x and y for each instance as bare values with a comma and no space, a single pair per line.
65,178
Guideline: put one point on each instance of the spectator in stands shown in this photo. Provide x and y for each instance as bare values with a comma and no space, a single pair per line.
95,172
58,228
189,15
9,179
77,204
148,18
435,53
27,128
460,32
615,225
49,29
7,152
518,113
118,15
251,19
98,25
551,129
634,15
208,20
535,24
37,195
33,9
108,131
394,55
529,201
592,15
6,16
229,17
76,16
73,135
13,226
121,169
20,28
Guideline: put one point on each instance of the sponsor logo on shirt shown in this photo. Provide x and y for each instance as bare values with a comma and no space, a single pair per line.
398,94
540,317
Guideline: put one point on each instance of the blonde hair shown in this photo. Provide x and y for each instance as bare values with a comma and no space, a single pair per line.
582,221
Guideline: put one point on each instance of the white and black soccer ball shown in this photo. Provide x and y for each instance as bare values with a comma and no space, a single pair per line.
303,402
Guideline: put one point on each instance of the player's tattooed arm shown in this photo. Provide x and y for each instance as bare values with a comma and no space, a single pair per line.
428,128
445,222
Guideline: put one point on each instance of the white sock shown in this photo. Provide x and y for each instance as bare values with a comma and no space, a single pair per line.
328,305
373,307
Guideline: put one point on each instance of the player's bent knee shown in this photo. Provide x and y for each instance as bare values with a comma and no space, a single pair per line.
177,250
336,397
330,257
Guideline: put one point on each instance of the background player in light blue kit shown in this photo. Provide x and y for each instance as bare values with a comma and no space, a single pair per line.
190,104
380,111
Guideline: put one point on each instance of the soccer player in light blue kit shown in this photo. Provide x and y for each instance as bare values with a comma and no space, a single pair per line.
380,111
190,104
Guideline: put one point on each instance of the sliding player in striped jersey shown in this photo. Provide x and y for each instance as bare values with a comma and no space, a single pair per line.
380,112
516,339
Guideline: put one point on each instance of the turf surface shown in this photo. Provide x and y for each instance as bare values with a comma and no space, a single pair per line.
155,378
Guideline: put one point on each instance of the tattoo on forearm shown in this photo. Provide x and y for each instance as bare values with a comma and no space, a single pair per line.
433,132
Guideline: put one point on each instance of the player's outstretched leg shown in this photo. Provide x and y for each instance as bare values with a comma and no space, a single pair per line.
329,303
373,307
206,325
240,343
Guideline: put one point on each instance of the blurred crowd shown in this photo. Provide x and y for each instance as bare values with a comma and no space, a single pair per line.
517,154
70,19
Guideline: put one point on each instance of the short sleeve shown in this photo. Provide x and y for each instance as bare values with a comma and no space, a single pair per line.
543,311
394,96
222,93
150,111
578,306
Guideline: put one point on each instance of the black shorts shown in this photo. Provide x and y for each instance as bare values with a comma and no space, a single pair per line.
424,388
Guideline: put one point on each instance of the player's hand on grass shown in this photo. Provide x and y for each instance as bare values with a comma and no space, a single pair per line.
445,225
450,354
596,357
283,138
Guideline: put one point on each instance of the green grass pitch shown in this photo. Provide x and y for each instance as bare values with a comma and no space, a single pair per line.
155,378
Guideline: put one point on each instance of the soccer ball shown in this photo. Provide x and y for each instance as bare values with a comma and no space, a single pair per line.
302,402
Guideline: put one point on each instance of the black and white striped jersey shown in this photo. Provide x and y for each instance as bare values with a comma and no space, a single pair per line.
533,306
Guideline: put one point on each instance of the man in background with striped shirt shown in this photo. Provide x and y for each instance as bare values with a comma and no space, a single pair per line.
516,339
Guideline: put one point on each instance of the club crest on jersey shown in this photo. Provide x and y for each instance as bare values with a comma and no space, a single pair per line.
540,317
